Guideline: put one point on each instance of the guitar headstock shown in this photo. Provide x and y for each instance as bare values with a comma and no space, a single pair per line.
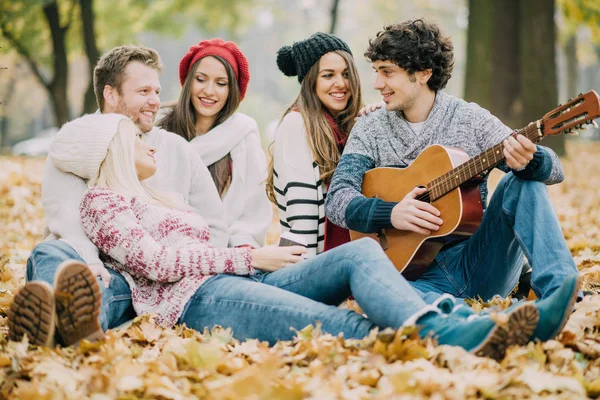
576,113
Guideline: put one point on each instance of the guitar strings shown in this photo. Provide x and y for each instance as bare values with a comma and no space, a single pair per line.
531,128
426,196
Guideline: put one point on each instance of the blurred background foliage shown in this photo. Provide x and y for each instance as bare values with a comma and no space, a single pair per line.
517,58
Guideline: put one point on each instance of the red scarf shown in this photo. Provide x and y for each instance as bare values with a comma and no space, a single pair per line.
335,235
340,138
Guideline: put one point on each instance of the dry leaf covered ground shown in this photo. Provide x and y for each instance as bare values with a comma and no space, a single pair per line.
145,361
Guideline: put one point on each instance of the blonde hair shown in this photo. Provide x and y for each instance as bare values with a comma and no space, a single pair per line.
321,138
118,172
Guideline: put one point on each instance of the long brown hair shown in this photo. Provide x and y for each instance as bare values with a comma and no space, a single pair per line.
321,138
181,118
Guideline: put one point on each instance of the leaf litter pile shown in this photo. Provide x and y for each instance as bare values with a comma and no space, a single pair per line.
143,360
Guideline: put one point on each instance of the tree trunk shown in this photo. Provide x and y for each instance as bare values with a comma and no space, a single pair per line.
571,63
4,120
511,67
334,16
487,61
539,89
479,68
91,51
3,133
58,86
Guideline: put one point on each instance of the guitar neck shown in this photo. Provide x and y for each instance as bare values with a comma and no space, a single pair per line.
477,165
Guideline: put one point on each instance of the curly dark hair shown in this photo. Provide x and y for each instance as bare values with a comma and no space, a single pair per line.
415,46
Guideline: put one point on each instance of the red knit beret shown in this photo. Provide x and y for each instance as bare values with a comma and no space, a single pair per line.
218,47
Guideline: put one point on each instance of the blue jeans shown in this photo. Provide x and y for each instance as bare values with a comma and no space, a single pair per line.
43,262
519,220
267,305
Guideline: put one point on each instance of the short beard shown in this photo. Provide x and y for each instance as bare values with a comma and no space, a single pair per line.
124,110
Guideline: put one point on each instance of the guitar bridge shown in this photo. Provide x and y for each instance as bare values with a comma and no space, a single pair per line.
383,242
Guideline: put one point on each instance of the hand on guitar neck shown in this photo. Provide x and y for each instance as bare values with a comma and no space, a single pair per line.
415,215
518,151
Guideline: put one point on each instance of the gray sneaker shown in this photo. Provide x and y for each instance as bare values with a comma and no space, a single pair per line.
486,335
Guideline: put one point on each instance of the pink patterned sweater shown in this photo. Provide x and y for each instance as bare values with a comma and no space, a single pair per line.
164,254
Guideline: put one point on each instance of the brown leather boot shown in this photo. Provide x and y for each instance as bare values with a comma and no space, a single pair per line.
32,313
78,299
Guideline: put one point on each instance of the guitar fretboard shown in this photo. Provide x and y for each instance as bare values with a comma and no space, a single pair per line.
476,165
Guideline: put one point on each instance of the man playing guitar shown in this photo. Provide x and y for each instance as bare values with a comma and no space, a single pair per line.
413,62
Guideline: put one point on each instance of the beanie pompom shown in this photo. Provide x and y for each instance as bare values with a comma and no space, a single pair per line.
298,59
285,61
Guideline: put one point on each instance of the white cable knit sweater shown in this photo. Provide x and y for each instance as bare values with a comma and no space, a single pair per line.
179,169
249,212
163,253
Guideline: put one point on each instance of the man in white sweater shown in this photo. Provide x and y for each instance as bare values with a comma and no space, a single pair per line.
126,81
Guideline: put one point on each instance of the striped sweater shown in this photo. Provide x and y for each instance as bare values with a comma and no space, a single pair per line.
164,254
299,190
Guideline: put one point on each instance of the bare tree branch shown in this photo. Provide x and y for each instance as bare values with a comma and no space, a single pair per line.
71,16
91,51
58,85
23,52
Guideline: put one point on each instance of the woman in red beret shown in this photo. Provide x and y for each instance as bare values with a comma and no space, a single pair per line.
214,76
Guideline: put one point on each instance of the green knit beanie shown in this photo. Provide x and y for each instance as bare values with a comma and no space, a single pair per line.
298,58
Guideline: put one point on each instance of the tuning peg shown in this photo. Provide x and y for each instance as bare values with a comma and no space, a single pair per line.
571,131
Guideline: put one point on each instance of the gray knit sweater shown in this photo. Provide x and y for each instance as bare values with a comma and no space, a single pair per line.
384,139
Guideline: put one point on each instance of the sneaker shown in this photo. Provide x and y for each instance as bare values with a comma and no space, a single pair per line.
32,313
484,335
523,319
582,293
524,286
555,309
78,299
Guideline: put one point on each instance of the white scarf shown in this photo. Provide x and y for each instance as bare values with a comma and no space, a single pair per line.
219,141
248,210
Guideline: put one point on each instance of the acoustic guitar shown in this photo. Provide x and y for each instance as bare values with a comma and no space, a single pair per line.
450,178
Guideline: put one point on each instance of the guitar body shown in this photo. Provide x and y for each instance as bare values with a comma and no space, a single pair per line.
460,209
